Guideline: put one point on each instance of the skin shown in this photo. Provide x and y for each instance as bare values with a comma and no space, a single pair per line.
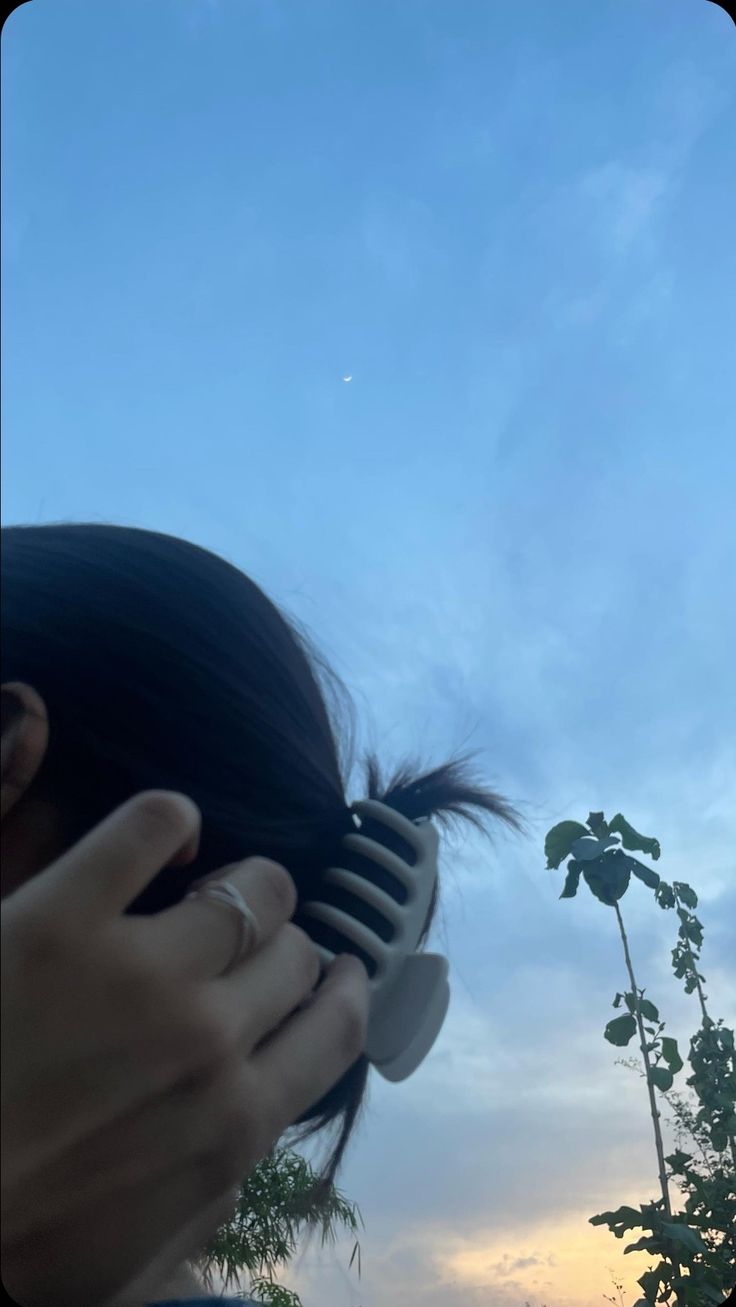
32,828
249,1067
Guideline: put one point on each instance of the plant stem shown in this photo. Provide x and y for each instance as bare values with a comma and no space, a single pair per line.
647,1065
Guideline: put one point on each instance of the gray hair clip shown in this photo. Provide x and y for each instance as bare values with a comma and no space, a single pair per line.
378,910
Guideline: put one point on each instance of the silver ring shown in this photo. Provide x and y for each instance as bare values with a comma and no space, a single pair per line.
222,891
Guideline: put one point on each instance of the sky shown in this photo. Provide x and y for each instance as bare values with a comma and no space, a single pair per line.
511,531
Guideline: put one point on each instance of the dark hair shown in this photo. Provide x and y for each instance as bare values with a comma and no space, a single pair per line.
163,666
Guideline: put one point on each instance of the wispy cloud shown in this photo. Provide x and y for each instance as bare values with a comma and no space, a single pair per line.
623,201
564,1262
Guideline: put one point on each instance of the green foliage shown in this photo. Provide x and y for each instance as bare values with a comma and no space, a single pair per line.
685,894
631,838
694,1249
608,876
706,1177
644,873
277,1201
620,1030
665,895
572,880
670,1054
560,840
661,1078
658,1047
598,857
679,1246
274,1295
714,1081
618,1222
686,953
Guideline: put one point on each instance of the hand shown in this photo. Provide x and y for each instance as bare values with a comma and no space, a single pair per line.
140,1085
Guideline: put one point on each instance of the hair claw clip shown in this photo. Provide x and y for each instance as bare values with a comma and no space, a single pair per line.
375,905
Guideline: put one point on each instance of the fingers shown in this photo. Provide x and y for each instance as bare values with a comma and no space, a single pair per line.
262,993
102,874
200,1140
315,1047
200,937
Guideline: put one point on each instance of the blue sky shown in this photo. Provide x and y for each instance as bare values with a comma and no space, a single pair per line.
511,531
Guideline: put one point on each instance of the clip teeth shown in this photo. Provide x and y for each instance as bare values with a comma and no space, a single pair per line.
374,903
364,889
351,930
378,853
408,830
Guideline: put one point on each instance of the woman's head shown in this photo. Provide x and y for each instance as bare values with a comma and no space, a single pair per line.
162,666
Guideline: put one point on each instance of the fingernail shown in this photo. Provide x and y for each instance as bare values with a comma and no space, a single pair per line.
343,964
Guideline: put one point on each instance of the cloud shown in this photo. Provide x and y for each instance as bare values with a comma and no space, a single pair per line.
519,1264
565,1263
614,213
622,201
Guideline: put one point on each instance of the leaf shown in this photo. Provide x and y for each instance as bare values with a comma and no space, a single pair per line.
631,839
572,880
671,1054
623,1219
648,1010
645,874
608,877
620,1030
685,894
664,895
560,840
650,1282
683,1235
588,848
355,1253
661,1078
646,1244
693,930
678,1160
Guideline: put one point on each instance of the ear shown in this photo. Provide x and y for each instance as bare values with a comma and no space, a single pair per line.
23,741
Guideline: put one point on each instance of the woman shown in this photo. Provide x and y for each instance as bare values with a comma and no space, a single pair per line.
161,667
